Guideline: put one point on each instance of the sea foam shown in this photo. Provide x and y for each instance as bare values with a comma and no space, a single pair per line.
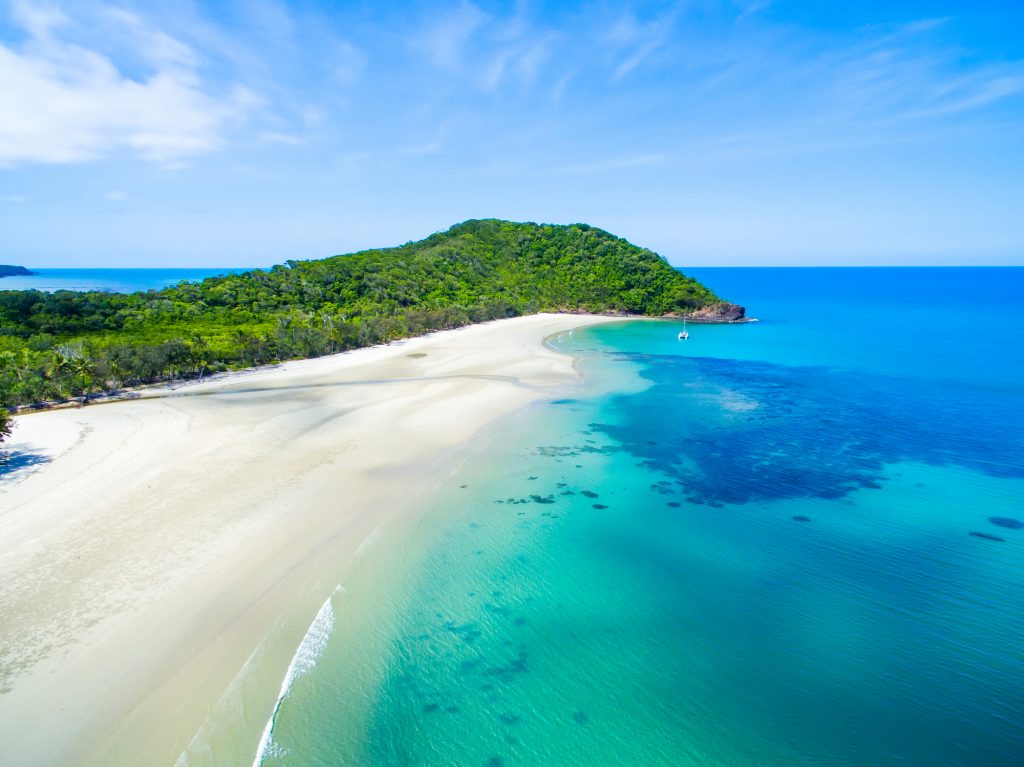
304,660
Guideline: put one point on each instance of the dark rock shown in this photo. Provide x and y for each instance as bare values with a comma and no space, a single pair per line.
723,312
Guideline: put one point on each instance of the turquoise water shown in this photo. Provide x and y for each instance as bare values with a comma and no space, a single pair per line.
108,280
795,542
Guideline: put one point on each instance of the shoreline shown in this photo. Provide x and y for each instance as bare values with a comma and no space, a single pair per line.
173,547
161,388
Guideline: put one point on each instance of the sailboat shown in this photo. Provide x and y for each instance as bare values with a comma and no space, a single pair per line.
683,335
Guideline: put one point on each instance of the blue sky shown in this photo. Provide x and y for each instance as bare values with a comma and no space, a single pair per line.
716,132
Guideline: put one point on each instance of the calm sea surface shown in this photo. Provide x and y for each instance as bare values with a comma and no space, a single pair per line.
109,280
792,542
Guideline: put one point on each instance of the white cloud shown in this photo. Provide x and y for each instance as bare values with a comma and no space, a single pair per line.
13,199
116,196
64,103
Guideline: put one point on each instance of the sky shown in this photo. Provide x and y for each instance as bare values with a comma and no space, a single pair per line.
715,132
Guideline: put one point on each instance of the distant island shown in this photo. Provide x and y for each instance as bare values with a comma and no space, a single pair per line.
64,344
7,270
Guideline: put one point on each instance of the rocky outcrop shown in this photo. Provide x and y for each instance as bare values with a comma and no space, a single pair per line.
722,312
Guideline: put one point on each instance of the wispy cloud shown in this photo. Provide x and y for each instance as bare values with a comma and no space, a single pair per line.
485,50
62,102
637,41
116,196
561,84
13,199
896,76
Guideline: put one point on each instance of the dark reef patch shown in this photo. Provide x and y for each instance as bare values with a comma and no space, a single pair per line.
758,431
600,506
986,536
801,518
1008,522
589,493
562,451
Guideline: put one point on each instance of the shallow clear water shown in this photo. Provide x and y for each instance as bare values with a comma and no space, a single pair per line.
792,542
108,280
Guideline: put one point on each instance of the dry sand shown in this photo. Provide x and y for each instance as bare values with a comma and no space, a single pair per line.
172,549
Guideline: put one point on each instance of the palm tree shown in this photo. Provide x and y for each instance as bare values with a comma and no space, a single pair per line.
82,367
60,366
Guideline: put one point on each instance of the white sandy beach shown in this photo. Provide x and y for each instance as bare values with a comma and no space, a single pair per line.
164,543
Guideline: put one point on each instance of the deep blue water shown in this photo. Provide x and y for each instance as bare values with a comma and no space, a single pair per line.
108,280
792,542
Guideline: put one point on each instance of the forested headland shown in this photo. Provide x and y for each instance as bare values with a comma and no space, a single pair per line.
7,270
55,346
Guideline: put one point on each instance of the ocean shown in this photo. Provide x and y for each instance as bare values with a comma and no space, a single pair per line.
108,280
798,541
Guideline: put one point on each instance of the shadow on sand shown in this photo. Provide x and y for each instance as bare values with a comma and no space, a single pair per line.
12,461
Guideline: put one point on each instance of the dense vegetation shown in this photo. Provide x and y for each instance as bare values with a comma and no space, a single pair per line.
58,345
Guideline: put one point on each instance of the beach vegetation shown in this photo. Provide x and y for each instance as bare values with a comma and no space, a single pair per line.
5,425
